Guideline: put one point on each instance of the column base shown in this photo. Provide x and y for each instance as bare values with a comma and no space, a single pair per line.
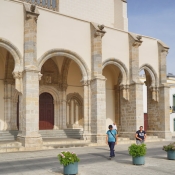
130,135
74,126
30,141
99,139
167,135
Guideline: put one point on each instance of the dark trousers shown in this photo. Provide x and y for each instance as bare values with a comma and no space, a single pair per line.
111,146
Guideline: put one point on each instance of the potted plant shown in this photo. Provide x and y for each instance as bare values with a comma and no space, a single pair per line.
138,153
70,162
170,149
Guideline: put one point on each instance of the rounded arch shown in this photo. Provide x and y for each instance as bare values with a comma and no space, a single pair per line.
76,96
152,73
69,54
120,65
51,90
14,52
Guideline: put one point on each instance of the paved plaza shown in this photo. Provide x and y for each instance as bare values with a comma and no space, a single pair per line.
94,161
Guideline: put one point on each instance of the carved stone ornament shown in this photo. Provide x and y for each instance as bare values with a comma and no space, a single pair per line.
155,93
18,81
31,11
85,82
99,30
125,91
136,39
39,76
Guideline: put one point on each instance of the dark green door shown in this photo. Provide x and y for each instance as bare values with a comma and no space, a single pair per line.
174,124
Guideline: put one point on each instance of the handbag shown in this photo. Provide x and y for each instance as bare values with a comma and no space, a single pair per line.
113,135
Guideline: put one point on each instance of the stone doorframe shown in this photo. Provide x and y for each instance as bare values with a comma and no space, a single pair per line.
56,100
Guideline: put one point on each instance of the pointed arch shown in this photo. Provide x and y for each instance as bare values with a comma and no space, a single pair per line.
152,72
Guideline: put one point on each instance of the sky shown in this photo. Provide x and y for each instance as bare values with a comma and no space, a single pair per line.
155,18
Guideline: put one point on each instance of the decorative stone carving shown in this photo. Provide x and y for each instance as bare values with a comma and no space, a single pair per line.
31,12
155,93
137,40
99,30
125,91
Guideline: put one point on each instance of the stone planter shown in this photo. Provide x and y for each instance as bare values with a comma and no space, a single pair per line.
138,160
71,169
171,155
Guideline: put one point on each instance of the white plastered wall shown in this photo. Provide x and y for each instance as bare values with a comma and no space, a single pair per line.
99,11
12,23
116,45
57,31
148,53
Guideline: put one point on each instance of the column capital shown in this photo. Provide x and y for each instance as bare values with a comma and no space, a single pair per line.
98,30
135,40
31,12
85,82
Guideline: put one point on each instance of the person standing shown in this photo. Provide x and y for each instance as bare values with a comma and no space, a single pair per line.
114,126
111,140
140,136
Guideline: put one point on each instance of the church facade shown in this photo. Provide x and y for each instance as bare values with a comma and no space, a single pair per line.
73,64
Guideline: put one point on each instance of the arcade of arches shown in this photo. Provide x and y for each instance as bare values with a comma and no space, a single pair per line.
60,99
66,101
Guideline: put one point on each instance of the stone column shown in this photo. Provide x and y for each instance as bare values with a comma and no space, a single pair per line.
161,126
29,136
132,111
86,84
98,89
8,105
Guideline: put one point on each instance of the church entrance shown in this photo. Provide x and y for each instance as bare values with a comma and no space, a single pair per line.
46,111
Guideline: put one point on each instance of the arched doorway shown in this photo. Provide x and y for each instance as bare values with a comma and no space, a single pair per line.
46,111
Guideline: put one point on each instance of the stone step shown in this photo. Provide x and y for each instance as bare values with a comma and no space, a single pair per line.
7,144
63,143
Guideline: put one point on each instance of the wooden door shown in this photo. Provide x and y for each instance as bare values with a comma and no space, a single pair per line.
145,121
46,111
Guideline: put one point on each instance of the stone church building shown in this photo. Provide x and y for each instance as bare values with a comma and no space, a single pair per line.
73,64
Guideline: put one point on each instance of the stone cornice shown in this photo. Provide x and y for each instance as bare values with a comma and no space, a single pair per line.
99,30
136,39
124,1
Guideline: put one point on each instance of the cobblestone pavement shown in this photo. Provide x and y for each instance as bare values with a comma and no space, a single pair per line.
94,161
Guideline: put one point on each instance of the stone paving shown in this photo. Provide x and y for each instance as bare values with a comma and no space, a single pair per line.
94,161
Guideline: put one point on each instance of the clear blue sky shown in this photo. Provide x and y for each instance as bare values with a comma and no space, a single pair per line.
155,18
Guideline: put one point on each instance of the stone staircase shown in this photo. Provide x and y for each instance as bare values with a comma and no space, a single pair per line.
61,134
8,135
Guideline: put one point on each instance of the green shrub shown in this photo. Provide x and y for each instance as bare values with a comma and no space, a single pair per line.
67,158
137,150
170,147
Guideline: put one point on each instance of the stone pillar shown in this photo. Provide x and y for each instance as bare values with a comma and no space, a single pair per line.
29,136
98,90
30,111
64,116
86,85
132,111
8,105
161,126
